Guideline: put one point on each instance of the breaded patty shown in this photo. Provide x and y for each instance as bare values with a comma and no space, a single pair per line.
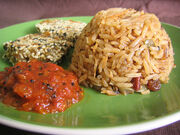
36,46
61,29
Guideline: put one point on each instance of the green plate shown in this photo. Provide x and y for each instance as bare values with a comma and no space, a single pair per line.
98,113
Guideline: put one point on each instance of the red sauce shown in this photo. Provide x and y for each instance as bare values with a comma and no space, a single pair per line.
40,87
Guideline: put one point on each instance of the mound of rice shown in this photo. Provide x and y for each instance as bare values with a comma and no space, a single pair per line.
123,51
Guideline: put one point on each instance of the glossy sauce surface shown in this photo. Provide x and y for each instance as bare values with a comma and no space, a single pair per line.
40,87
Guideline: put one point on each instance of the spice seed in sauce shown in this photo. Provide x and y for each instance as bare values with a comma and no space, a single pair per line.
40,68
50,88
72,83
40,74
4,82
31,81
54,95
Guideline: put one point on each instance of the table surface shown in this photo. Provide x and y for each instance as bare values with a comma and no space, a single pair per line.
17,11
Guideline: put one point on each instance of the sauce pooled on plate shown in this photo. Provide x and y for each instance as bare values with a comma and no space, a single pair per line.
40,87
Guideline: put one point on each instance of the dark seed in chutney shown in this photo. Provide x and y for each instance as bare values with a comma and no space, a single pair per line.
31,80
18,67
40,68
40,74
54,95
4,82
72,83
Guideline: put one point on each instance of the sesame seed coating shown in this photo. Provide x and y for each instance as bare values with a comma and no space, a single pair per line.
61,29
55,37
35,46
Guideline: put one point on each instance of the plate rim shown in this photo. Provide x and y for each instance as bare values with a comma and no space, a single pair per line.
123,129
